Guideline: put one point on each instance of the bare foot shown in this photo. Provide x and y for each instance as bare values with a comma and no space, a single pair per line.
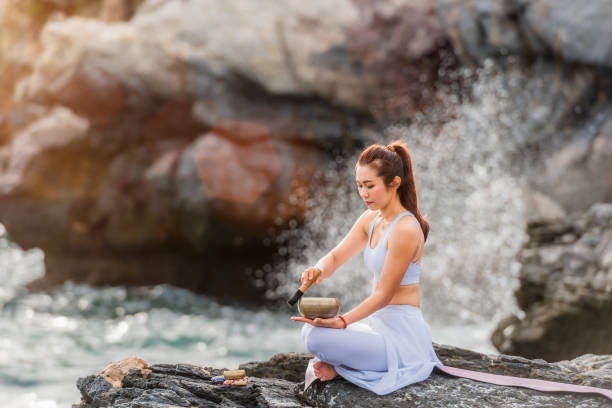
324,371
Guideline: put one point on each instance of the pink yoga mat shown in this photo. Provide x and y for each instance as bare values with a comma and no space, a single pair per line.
540,385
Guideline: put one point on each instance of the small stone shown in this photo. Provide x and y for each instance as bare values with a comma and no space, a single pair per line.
234,374
241,381
114,372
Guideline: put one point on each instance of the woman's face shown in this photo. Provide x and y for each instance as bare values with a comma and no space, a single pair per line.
371,188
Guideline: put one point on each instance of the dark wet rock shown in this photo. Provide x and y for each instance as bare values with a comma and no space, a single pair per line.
92,386
442,390
565,289
184,385
287,366
589,369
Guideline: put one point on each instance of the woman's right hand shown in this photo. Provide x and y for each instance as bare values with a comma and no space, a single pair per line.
310,273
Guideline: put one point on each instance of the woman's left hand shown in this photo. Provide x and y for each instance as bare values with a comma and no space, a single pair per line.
332,323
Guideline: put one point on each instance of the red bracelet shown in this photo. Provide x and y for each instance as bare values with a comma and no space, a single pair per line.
343,321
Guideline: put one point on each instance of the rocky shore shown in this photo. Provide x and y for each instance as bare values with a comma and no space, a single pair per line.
277,383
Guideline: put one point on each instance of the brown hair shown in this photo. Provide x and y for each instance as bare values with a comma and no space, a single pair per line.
394,160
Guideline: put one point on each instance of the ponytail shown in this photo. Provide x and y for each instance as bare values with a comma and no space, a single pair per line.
394,160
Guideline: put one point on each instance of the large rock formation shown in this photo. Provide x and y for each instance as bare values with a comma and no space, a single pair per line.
192,132
565,291
272,384
22,20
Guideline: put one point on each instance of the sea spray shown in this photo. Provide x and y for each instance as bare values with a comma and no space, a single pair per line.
470,191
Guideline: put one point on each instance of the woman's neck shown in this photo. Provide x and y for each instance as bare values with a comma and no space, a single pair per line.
391,210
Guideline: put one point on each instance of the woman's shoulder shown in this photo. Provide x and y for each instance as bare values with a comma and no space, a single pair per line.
406,226
367,216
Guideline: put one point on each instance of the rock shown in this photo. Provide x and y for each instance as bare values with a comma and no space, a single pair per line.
158,112
186,385
20,24
485,28
166,85
106,94
115,372
92,386
286,366
579,173
577,33
558,91
169,115
541,208
51,137
237,161
565,282
559,96
414,67
118,10
315,50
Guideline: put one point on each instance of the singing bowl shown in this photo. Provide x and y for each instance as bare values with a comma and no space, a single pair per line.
311,307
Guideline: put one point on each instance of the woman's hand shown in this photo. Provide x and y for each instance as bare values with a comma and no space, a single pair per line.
332,323
310,273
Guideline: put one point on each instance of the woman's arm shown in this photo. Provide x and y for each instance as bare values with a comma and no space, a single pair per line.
403,243
354,241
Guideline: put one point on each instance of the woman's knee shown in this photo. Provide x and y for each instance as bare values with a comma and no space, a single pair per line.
310,338
306,329
317,340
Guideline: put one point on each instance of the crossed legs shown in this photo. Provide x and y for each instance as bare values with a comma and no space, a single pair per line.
357,347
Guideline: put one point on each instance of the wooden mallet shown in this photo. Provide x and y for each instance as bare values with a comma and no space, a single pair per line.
298,293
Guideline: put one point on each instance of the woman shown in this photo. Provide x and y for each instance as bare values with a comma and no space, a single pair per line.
383,344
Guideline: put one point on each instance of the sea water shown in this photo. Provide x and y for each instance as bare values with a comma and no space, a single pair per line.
48,340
